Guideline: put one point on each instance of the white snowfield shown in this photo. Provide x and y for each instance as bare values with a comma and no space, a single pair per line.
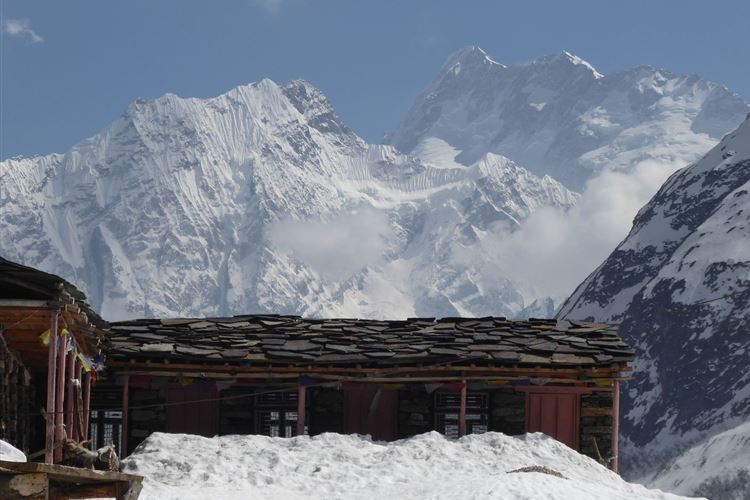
334,466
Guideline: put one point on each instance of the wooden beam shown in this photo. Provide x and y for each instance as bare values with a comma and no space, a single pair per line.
36,304
616,426
301,393
71,373
49,444
462,411
87,405
530,372
125,404
62,356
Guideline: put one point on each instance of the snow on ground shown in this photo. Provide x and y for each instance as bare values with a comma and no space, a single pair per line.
10,453
335,466
718,468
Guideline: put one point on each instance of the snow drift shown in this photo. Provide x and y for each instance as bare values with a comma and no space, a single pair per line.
10,453
333,466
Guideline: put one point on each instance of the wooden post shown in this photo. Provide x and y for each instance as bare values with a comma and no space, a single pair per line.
462,411
70,394
301,393
87,406
78,429
60,398
125,401
49,445
616,426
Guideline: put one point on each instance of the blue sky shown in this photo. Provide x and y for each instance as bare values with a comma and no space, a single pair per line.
70,68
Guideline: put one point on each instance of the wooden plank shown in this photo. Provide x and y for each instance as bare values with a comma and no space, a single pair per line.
600,372
66,473
616,426
87,406
51,391
596,412
125,411
301,392
60,399
462,410
71,373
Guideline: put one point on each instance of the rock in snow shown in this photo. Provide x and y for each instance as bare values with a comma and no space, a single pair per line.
680,287
334,466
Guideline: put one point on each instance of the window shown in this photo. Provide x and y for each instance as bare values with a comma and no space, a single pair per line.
276,414
447,412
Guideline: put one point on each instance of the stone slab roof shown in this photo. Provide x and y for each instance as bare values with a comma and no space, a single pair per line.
272,339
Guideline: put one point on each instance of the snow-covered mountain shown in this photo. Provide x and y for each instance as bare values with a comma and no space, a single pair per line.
262,200
560,116
679,284
719,468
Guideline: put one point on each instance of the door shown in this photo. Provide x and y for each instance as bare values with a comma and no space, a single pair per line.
556,415
370,410
193,410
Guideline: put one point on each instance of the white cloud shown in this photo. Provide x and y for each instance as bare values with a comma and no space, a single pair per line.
270,6
554,249
21,28
336,248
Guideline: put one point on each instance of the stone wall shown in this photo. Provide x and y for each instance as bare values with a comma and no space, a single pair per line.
596,426
508,412
415,413
325,411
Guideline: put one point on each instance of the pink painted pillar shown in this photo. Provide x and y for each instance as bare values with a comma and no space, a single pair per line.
616,426
125,401
301,393
49,445
462,411
86,406
70,395
60,398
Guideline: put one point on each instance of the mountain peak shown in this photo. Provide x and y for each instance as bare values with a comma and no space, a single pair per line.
567,58
469,56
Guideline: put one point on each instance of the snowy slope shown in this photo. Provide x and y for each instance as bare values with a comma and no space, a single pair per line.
262,200
679,284
560,116
333,466
719,468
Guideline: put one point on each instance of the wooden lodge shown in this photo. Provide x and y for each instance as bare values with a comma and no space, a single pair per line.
286,376
50,349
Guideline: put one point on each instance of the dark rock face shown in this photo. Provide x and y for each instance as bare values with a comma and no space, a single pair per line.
679,285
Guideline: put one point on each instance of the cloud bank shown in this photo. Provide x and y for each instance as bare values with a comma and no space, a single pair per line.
338,247
21,28
554,250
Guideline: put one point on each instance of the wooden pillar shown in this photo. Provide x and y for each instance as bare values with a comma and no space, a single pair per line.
70,394
87,406
301,393
125,401
49,444
79,431
462,411
616,426
62,355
